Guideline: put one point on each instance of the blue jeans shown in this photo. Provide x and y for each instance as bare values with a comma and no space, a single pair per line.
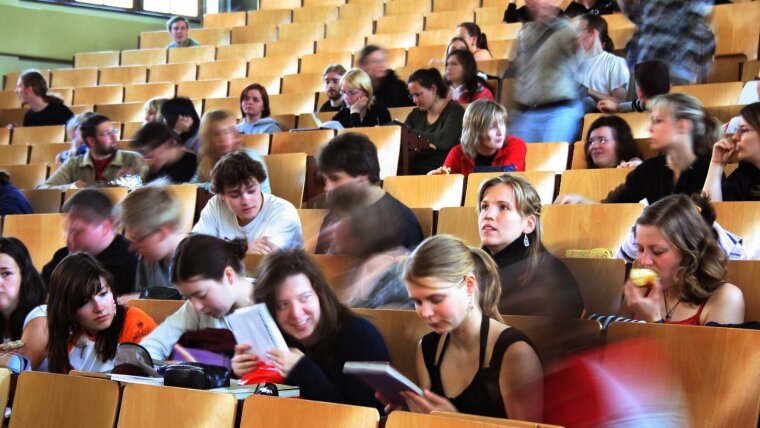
552,124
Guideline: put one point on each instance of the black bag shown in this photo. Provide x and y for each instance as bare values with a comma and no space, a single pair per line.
195,376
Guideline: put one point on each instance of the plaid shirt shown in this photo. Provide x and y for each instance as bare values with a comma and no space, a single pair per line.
672,31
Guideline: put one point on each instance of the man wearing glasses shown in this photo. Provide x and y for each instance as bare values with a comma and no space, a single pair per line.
103,162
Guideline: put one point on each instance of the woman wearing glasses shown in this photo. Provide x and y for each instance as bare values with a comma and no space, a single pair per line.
610,144
361,108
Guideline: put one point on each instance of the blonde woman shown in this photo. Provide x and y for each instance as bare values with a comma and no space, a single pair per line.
485,145
361,108
218,137
152,109
472,362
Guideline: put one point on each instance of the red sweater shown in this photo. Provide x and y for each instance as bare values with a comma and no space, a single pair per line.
511,153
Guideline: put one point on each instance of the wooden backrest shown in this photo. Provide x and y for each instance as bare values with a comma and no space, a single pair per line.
434,37
115,194
224,69
256,142
154,39
358,27
594,184
287,176
123,112
336,269
639,122
39,134
96,59
230,104
223,20
157,309
387,140
26,176
744,274
143,56
426,191
301,31
390,24
711,363
73,78
601,282
42,234
123,75
547,157
215,88
309,142
302,83
445,5
186,195
425,218
448,19
5,136
713,94
245,51
543,181
290,48
588,226
271,83
420,56
461,222
98,95
257,33
44,153
402,331
260,410
557,339
311,222
274,16
340,44
400,419
316,63
144,92
315,14
292,103
371,9
736,29
16,154
5,386
55,400
44,201
393,40
161,406
174,73
741,218
408,7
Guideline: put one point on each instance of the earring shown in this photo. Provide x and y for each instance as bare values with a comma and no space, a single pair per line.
470,305
526,242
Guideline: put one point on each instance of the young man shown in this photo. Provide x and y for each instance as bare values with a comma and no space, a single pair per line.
167,160
92,228
241,210
178,27
103,162
331,77
351,158
652,78
152,217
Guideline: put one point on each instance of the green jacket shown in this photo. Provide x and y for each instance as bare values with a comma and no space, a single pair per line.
81,168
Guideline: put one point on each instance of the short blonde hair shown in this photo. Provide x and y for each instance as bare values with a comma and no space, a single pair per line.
154,104
478,119
356,78
146,209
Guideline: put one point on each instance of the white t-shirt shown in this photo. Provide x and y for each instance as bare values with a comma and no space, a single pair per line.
278,220
603,73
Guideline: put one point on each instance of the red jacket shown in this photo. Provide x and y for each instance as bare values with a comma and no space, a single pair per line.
511,153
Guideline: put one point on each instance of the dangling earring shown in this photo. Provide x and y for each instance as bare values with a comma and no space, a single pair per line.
470,305
526,242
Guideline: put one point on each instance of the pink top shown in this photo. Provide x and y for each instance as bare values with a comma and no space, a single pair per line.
483,94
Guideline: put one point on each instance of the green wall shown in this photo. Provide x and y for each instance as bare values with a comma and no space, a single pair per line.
44,36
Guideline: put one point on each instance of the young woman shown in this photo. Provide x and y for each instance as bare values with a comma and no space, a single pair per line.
152,109
462,76
181,117
477,42
436,118
610,144
254,104
22,298
676,243
45,109
684,132
210,273
219,136
604,75
457,43
321,332
533,281
485,145
361,108
85,322
744,183
471,362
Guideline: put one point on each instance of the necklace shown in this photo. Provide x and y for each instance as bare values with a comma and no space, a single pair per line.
669,311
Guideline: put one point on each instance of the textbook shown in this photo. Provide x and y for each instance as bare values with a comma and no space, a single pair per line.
382,377
254,326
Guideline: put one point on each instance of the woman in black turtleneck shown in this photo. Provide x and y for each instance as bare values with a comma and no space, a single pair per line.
533,281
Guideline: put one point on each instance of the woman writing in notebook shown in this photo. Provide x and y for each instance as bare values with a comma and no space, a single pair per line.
210,273
472,362
322,333
85,322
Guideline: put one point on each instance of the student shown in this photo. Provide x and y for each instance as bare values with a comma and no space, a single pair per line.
22,293
153,109
331,77
351,158
178,27
610,144
210,273
78,147
472,362
684,132
691,288
85,321
92,228
167,160
45,109
152,219
322,333
219,136
104,160
485,145
744,183
604,75
241,210
390,91
477,42
254,105
651,78
180,116
361,107
533,281
12,201
462,77
436,118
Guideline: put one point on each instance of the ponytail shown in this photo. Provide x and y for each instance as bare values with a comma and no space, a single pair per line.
206,257
35,80
474,31
489,284
706,130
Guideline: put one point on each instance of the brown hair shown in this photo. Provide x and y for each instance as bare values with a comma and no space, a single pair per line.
206,257
264,98
235,169
751,115
35,80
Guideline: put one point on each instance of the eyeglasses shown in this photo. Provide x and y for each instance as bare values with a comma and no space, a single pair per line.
598,140
741,130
